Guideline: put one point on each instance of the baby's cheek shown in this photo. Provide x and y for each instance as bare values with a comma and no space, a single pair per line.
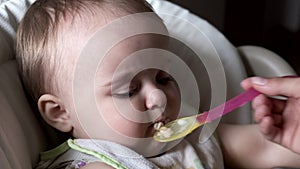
129,128
174,107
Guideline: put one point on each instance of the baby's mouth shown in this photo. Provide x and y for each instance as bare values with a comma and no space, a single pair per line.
159,123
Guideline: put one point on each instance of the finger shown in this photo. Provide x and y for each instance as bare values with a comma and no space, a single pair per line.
275,86
278,106
261,100
270,131
278,120
261,112
262,107
247,84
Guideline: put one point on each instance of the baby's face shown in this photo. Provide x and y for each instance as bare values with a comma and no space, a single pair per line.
131,95
132,91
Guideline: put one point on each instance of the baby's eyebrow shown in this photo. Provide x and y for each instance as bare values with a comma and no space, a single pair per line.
108,84
113,84
103,83
114,79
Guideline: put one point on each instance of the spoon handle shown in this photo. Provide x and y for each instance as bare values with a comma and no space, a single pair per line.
228,106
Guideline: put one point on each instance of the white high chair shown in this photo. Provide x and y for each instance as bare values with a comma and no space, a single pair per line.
23,135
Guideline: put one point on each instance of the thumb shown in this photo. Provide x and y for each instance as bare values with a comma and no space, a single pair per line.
288,86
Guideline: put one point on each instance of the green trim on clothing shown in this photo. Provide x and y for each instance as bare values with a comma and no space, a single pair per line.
105,159
54,152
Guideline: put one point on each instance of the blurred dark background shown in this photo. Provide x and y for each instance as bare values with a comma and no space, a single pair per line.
273,24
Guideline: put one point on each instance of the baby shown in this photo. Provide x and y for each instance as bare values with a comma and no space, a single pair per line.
100,70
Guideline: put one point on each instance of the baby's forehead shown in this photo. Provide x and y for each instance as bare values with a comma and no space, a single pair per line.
84,26
136,49
123,34
99,11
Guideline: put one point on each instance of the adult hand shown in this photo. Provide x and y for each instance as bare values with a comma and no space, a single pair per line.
279,120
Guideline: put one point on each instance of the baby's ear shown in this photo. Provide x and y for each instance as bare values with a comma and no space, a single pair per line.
54,113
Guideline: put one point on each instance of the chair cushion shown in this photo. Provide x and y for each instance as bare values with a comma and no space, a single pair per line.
11,12
22,137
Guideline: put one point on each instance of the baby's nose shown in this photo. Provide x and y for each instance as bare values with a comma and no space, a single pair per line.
156,99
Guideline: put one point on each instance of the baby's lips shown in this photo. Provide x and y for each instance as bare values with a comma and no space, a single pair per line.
164,119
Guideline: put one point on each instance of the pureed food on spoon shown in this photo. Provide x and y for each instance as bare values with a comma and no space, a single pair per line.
163,132
166,132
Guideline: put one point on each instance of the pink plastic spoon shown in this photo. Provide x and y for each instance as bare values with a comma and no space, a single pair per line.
183,126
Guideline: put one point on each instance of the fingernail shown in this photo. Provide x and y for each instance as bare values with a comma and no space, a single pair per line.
259,81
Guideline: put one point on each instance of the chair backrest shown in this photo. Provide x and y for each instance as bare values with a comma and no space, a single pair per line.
263,62
23,135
